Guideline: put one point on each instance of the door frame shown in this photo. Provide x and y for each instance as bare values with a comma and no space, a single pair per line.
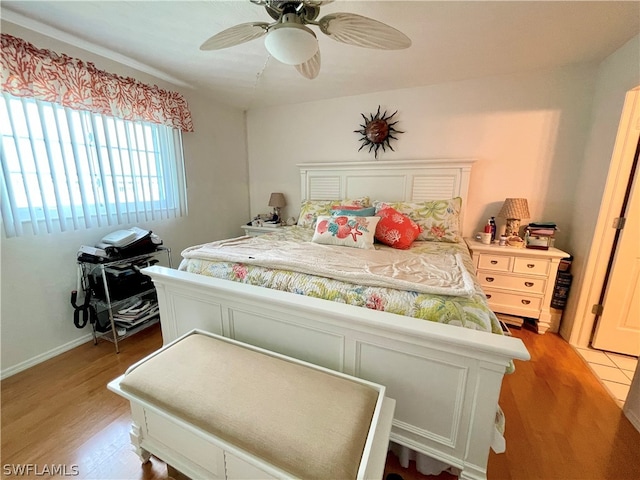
610,207
606,329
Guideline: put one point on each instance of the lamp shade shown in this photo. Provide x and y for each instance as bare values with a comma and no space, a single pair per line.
514,208
291,43
277,200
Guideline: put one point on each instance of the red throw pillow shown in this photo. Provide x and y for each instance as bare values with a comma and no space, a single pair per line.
396,229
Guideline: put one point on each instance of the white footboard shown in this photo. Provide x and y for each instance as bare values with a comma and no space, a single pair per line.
445,379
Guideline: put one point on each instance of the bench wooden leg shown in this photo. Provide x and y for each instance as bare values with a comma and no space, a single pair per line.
136,436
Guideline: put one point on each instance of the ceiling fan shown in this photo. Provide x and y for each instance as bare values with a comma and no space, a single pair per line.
290,41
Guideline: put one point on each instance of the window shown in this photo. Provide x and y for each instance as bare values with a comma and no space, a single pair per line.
66,169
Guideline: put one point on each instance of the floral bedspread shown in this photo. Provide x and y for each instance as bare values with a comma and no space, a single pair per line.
470,312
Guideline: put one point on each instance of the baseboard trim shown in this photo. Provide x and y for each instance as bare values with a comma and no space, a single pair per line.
7,372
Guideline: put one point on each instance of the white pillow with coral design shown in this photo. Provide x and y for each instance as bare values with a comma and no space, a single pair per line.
346,231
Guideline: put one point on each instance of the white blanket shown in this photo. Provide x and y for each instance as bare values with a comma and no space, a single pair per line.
399,269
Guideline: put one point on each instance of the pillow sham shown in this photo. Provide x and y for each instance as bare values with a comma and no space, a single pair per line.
355,211
346,231
345,207
395,229
439,219
311,209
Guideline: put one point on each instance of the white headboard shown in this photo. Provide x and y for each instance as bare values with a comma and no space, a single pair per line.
393,181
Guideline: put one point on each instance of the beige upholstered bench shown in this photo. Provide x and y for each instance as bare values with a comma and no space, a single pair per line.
212,407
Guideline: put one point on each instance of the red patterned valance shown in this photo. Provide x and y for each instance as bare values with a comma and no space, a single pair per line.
31,72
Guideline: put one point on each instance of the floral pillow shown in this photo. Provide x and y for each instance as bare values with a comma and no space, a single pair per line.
395,229
347,231
311,209
439,219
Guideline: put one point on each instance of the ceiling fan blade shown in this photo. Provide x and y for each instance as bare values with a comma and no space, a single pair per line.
311,67
236,35
362,31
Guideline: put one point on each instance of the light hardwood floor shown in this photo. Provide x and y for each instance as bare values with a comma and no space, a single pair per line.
561,423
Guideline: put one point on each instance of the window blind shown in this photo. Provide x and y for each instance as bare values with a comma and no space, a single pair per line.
66,169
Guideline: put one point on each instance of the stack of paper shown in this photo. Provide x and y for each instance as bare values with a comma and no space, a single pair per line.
542,229
136,314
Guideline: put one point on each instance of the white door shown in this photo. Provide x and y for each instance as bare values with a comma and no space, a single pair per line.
618,328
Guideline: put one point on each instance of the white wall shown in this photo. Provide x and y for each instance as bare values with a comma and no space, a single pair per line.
616,75
38,273
527,131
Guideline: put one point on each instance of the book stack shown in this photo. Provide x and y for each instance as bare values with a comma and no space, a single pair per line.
563,284
136,314
539,235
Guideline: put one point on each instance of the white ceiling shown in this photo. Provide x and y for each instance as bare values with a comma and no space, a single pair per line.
451,41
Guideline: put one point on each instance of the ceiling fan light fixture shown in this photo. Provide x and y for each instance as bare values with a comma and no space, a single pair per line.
291,43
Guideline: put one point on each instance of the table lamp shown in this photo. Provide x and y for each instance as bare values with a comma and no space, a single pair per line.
514,209
277,201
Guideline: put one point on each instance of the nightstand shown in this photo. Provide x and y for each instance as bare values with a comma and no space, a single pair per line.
257,231
519,281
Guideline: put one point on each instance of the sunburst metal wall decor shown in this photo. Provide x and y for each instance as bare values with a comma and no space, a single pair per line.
377,132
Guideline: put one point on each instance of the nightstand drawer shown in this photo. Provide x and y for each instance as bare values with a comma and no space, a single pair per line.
499,263
512,282
514,303
533,266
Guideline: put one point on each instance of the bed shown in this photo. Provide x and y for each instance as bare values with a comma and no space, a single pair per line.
445,379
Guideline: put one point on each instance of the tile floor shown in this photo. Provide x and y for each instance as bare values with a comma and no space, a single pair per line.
614,371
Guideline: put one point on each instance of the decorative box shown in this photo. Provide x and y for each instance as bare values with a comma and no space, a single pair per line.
538,242
539,235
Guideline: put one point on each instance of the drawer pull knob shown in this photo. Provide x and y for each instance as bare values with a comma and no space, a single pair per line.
489,279
494,262
526,302
488,295
531,265
528,284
